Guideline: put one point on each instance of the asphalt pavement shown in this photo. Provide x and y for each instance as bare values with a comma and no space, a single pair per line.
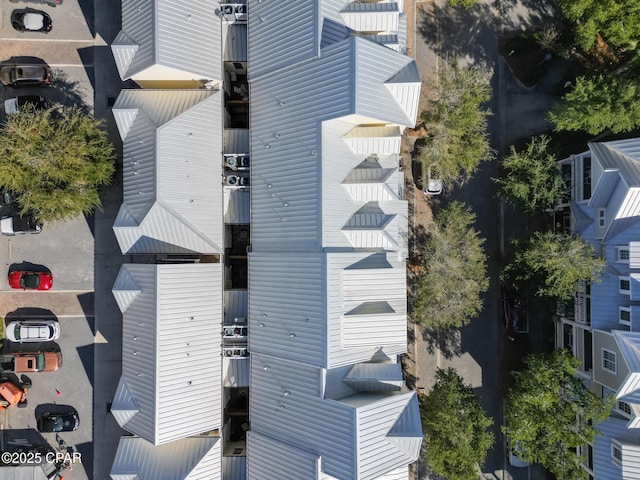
473,37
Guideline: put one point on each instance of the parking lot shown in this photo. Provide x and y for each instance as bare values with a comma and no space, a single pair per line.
66,249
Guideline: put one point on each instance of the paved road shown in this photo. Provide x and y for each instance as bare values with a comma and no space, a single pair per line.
473,37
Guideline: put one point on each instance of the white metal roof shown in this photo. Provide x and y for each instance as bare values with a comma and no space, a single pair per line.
171,367
619,154
178,39
375,377
195,458
401,473
236,305
293,315
172,168
299,158
235,372
267,457
234,39
236,140
281,36
236,206
367,312
234,468
359,437
372,17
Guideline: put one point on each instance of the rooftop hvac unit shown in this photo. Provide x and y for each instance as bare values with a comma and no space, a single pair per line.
235,352
231,161
235,331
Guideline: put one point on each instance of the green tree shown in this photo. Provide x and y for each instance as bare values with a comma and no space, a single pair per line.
556,263
531,179
55,161
465,3
550,412
456,429
599,103
454,271
617,21
456,123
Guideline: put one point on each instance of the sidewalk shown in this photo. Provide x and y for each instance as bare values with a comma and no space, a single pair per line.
76,303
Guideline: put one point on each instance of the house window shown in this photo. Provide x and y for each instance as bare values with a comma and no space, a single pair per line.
624,285
616,453
624,315
622,254
609,360
601,217
624,407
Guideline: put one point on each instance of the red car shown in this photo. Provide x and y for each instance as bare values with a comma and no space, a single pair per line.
30,280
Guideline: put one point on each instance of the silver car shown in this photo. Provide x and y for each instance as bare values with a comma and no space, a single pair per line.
33,331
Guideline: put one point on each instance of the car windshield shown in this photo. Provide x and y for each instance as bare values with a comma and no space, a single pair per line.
30,280
57,424
40,362
16,333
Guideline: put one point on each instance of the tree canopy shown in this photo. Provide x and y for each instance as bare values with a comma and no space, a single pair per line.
456,429
454,271
550,412
599,103
617,21
465,3
531,179
55,161
456,123
556,263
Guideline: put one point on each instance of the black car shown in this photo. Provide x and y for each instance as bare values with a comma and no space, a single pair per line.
17,224
14,75
514,315
58,422
30,20
51,3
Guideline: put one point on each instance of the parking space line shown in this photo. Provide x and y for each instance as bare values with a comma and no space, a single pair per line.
48,40
66,65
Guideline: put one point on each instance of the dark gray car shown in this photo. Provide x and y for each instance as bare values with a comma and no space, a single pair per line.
15,75
51,3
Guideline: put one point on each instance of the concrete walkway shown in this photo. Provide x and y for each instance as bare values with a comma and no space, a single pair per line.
69,303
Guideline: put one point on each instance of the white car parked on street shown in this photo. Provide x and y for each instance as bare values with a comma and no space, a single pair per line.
33,331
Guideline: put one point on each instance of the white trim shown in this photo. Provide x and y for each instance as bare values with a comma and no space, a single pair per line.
612,360
616,446
626,254
623,412
622,278
620,319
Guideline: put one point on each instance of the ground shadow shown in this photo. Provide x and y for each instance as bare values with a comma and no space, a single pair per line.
29,312
24,440
67,92
28,267
446,341
87,303
87,55
521,15
86,454
443,33
86,6
86,353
